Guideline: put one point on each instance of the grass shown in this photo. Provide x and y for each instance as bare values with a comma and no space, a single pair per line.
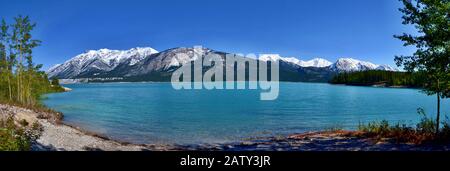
423,132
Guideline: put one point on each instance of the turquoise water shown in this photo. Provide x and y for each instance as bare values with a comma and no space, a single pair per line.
156,113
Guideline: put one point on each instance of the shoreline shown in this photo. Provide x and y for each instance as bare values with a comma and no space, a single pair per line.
333,84
63,137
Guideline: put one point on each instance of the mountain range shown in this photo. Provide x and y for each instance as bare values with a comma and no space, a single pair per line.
147,64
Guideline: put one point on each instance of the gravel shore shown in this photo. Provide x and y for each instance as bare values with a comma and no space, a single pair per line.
66,138
60,137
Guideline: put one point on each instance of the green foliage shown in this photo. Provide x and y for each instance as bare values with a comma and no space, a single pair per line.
21,81
55,82
375,77
17,138
426,125
431,19
380,128
432,57
423,132
445,130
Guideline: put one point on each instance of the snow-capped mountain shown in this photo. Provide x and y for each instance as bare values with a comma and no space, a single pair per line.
316,62
386,68
350,65
106,63
341,65
147,64
99,60
165,61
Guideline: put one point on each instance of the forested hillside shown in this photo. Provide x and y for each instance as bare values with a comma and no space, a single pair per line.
381,78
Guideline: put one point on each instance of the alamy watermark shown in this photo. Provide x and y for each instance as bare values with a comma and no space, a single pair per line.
229,71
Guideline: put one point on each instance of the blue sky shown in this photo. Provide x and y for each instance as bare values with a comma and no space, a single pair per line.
305,29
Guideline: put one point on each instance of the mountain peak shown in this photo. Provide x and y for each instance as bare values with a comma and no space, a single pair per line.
270,57
102,59
143,60
351,64
316,62
144,50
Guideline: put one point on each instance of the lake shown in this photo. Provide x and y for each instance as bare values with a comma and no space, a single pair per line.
155,113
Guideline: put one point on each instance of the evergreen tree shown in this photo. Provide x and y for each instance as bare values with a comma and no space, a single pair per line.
55,82
431,18
375,77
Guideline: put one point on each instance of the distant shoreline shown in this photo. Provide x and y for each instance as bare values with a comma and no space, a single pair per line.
160,82
66,89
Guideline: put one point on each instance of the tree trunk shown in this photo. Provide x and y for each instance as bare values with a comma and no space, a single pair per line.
30,100
19,76
438,112
18,85
9,86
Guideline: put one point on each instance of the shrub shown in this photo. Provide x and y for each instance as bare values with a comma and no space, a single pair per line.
445,131
17,138
423,132
377,128
23,122
426,125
